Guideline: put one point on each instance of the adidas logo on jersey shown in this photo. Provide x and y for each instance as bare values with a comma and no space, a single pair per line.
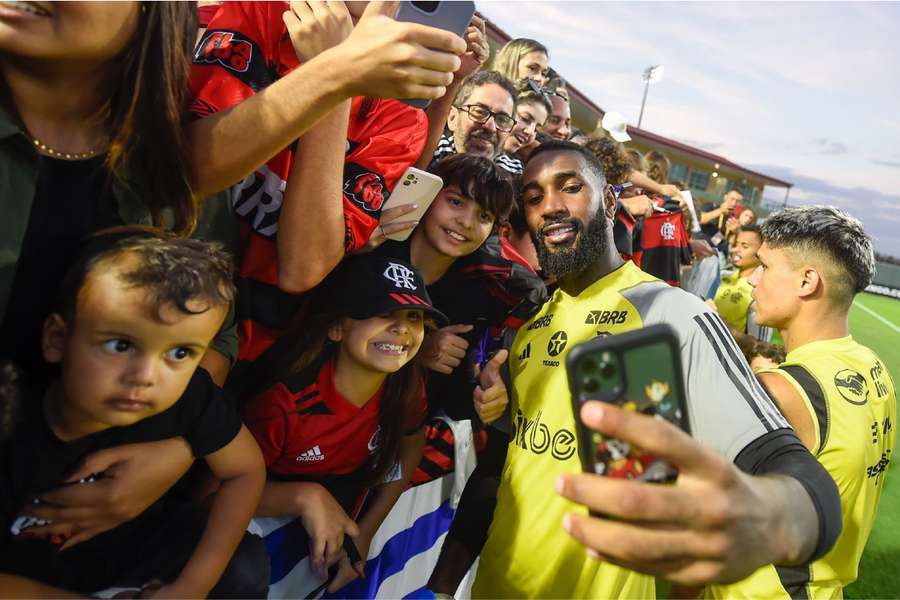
313,454
526,353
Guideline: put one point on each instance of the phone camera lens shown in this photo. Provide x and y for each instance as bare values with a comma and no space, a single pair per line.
608,370
589,366
590,385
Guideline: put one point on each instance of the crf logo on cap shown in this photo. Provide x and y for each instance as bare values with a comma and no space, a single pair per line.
667,231
402,277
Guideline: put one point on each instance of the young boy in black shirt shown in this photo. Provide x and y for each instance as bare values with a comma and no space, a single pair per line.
135,316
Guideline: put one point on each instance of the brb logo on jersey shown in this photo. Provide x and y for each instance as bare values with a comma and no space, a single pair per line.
227,48
852,386
667,231
606,317
401,276
364,187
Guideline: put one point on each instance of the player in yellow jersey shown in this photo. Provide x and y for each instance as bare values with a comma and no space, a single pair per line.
733,301
721,520
836,393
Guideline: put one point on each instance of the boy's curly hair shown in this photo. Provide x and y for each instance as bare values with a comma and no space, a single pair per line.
172,270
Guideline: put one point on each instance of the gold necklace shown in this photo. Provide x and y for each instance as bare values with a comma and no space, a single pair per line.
45,149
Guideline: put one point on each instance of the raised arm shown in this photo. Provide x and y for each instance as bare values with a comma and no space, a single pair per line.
381,58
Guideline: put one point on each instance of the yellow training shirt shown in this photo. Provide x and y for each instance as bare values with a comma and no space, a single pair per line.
733,300
528,554
852,401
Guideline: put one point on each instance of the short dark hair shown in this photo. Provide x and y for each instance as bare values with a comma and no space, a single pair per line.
565,146
172,270
480,78
752,228
480,179
830,232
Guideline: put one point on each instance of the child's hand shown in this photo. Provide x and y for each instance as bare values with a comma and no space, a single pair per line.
347,572
326,523
443,350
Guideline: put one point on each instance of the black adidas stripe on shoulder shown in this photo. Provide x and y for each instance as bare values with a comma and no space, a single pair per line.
734,365
816,396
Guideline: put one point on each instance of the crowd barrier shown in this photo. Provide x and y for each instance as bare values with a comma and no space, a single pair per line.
403,552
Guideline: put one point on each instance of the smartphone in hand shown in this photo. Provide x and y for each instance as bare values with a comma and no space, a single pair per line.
639,371
417,187
449,16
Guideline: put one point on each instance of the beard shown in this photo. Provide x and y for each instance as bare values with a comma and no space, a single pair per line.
465,142
591,242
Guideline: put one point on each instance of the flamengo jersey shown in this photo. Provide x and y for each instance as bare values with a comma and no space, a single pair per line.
852,402
733,300
528,554
245,48
664,246
307,429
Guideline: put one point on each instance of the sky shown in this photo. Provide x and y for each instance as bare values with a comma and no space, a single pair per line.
805,92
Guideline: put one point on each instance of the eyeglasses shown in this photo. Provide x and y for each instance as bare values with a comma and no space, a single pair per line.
480,114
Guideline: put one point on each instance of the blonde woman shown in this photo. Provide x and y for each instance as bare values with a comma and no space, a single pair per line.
523,58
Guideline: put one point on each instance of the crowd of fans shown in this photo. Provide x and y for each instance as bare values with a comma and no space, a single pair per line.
195,264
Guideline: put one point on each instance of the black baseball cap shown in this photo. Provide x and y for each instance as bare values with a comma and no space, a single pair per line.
368,285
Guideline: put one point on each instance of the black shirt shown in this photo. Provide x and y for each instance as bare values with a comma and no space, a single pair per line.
35,461
71,201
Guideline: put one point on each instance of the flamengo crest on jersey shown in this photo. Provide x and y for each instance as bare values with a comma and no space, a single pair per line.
667,231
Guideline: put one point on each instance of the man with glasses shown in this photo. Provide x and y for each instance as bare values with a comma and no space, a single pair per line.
481,118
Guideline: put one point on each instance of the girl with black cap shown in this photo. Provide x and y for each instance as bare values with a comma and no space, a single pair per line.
343,409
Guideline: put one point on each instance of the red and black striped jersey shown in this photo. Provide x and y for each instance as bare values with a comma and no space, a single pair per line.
307,430
244,49
664,246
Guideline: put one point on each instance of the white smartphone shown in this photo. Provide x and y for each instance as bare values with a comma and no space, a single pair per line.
414,187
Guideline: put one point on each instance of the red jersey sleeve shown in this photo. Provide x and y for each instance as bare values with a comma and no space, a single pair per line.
239,54
267,419
384,138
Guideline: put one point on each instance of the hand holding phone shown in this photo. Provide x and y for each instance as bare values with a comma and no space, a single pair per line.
415,187
639,371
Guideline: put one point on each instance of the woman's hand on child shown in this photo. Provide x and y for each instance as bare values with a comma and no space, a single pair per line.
490,396
132,477
443,350
326,524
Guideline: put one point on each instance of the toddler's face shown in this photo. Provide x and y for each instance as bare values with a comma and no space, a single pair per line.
125,359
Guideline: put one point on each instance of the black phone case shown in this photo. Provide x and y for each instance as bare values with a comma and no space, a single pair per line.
645,377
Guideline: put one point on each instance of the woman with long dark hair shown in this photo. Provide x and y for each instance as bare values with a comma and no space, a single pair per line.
341,409
92,102
92,105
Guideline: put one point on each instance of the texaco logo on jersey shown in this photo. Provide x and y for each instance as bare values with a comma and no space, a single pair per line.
402,277
667,231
